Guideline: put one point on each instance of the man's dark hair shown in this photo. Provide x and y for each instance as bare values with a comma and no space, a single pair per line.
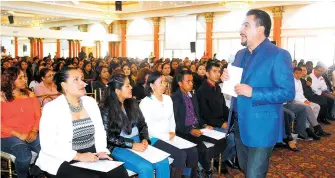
317,67
180,76
303,66
262,19
297,69
211,64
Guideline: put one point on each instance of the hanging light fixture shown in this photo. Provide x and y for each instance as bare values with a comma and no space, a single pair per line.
109,16
243,4
36,23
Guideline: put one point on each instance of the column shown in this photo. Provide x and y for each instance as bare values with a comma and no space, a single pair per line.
31,47
16,47
75,48
123,38
38,48
111,50
117,49
35,47
98,49
156,36
41,48
209,33
78,47
277,21
58,48
70,48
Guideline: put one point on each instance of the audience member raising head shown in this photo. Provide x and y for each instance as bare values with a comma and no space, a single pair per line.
20,121
142,77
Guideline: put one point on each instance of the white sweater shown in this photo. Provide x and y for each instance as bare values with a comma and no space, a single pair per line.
159,116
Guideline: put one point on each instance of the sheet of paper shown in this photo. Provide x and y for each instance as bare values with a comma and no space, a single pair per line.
213,134
152,154
180,143
235,76
101,165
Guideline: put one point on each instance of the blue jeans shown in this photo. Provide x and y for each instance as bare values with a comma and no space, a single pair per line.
253,161
22,151
230,150
137,164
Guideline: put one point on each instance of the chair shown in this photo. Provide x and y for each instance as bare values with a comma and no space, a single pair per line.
9,158
93,95
210,145
44,97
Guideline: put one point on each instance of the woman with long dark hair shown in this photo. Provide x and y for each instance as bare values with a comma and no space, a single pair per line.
20,118
23,65
157,110
73,131
126,128
101,82
199,76
127,72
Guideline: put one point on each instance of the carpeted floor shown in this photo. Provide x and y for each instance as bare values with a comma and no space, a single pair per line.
316,159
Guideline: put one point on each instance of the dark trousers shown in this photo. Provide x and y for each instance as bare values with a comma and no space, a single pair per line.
253,161
205,154
288,120
22,151
180,156
67,171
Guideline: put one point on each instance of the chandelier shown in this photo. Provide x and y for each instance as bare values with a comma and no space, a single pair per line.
36,23
109,16
242,4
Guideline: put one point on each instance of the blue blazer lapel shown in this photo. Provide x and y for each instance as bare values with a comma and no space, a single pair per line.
258,58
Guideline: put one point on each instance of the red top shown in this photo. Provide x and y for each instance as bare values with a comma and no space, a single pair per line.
21,115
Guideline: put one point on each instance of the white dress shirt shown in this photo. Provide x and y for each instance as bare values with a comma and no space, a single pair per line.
159,116
299,92
318,84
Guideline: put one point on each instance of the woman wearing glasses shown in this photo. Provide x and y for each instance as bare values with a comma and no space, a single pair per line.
46,90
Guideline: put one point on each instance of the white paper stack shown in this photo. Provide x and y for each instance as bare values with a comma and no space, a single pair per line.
235,76
180,143
152,154
101,165
213,134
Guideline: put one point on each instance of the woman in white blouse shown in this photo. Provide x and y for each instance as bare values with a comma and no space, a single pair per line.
157,110
71,130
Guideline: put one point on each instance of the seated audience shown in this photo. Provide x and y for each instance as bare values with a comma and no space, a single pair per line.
127,72
20,118
46,90
126,128
157,110
199,76
134,70
213,108
189,122
101,83
166,70
73,132
142,77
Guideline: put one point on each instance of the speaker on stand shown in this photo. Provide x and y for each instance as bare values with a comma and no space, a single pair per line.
11,19
193,49
118,5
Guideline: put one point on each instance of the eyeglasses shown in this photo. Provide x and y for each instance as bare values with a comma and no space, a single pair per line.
49,76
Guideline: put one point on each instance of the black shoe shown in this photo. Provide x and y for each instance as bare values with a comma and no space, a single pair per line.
325,121
331,118
310,133
231,164
319,131
223,167
209,174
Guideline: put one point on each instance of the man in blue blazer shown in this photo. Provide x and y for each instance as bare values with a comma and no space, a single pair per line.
267,82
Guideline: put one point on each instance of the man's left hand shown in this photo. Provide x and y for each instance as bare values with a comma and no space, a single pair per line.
243,89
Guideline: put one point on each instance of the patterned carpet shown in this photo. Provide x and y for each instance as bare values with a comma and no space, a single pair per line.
316,159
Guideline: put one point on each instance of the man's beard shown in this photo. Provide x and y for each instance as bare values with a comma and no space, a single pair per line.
244,43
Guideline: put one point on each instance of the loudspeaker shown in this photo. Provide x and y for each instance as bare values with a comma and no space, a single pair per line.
274,42
118,5
192,44
24,48
11,19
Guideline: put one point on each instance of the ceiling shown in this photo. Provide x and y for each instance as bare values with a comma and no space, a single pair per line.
63,13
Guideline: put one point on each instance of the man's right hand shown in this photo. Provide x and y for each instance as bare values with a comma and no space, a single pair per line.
140,147
196,132
225,75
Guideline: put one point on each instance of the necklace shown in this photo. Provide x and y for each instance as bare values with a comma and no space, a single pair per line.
76,109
